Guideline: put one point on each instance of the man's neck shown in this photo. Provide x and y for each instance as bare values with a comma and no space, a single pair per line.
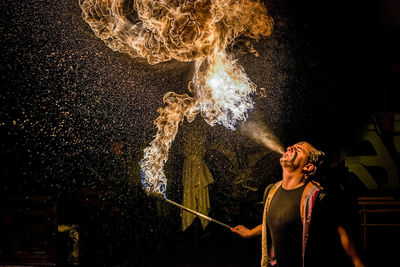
291,180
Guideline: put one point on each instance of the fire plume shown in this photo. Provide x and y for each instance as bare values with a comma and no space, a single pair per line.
184,30
223,90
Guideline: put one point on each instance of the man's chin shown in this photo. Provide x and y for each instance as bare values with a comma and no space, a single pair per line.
284,162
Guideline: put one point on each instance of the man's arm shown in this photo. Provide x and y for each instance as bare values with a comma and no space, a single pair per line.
349,247
247,233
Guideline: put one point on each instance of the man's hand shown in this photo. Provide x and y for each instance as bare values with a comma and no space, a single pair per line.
245,232
242,231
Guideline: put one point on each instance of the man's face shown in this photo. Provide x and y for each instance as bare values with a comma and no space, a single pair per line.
296,156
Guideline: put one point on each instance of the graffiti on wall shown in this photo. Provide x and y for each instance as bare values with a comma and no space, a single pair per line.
382,136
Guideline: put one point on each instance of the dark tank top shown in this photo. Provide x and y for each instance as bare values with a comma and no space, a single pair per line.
285,226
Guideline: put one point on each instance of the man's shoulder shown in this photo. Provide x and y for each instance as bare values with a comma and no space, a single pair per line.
317,185
321,194
268,188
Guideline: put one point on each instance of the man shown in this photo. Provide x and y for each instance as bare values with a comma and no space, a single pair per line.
300,226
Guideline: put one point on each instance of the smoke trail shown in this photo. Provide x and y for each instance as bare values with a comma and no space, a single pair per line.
262,135
184,30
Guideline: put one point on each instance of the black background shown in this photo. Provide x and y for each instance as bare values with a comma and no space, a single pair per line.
66,98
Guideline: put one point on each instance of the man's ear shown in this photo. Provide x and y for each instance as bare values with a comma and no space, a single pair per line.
308,167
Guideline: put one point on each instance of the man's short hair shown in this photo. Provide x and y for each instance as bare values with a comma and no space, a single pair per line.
315,157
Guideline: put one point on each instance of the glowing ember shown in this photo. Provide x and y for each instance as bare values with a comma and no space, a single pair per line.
184,30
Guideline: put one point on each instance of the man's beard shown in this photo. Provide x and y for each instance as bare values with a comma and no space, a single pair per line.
289,163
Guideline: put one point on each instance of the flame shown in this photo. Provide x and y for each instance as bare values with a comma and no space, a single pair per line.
184,30
223,91
155,156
